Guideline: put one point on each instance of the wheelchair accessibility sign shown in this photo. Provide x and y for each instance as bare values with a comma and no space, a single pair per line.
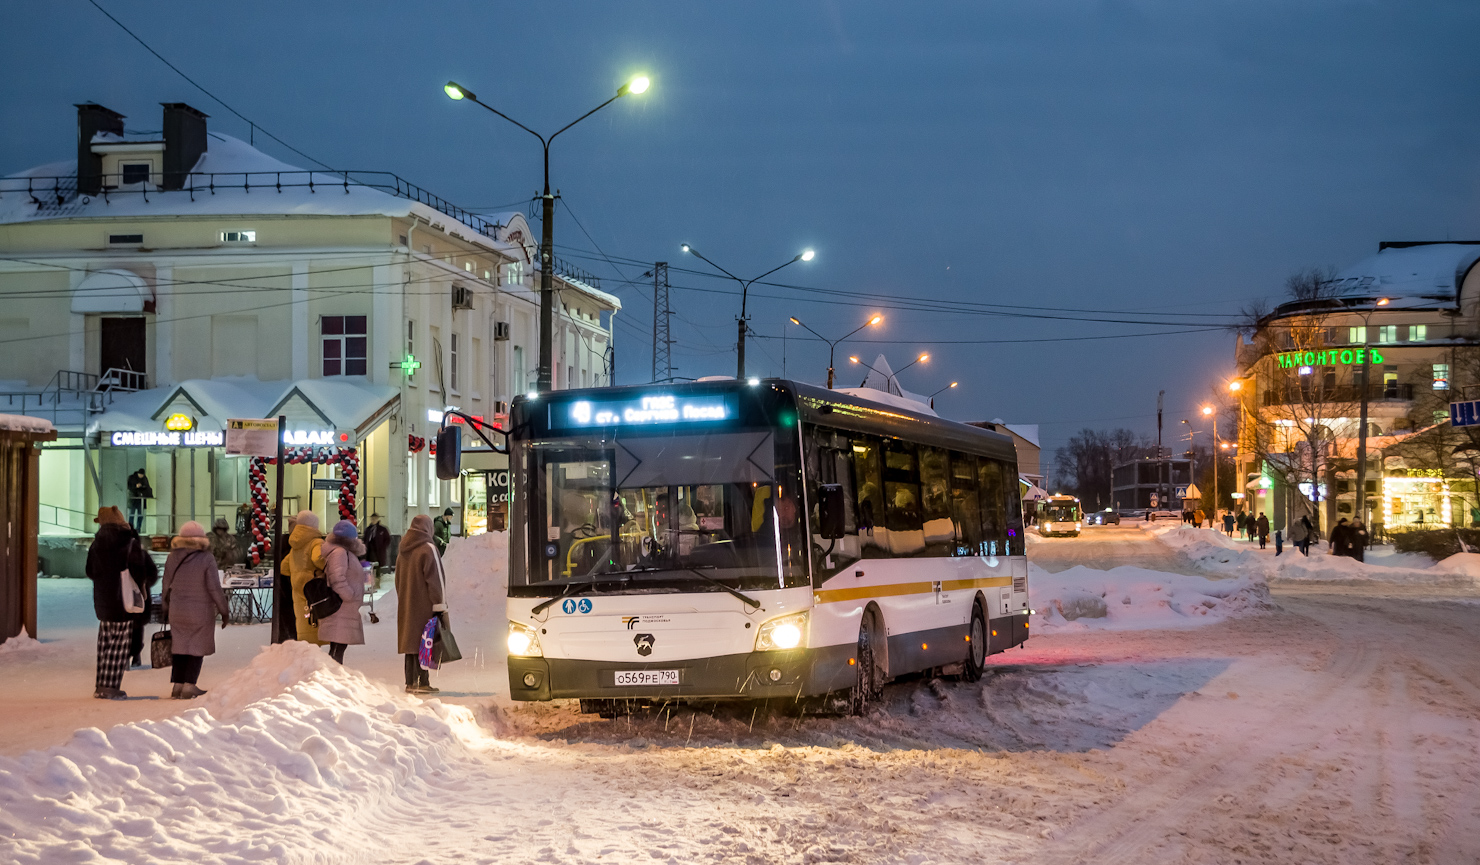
570,606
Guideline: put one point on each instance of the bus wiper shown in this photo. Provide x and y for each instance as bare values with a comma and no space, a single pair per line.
752,602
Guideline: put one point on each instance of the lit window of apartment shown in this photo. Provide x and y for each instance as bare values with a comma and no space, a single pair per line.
514,273
345,344
452,367
1358,335
1441,376
1387,333
434,486
1418,332
412,499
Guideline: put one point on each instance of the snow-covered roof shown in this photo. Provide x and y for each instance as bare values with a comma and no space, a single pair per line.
21,423
308,404
1431,271
890,399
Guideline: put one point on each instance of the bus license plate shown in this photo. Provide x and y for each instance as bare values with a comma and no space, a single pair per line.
646,677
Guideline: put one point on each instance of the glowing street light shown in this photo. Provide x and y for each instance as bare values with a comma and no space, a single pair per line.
805,255
832,344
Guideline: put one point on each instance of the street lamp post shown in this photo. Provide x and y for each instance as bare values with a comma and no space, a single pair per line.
924,356
1208,411
456,91
833,343
805,255
941,391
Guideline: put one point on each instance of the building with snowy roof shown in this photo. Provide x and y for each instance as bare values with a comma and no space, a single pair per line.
161,283
1409,317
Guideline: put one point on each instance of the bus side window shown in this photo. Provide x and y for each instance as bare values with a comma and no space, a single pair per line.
867,474
935,495
965,506
902,513
994,516
1016,546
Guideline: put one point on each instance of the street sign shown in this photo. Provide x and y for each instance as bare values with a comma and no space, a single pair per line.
1179,492
1191,492
1155,500
1464,413
252,437
331,484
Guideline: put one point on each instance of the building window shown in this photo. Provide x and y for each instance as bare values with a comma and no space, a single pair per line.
520,383
238,237
135,172
1441,376
1418,332
452,367
514,274
433,483
412,499
1387,333
1357,335
345,344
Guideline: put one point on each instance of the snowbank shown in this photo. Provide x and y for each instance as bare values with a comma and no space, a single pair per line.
1215,552
1131,598
21,642
291,755
477,570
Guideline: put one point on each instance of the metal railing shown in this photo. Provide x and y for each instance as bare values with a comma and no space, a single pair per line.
71,392
58,192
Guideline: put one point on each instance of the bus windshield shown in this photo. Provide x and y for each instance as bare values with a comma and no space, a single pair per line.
1061,513
661,506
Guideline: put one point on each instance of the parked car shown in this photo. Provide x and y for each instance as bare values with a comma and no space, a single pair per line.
1107,517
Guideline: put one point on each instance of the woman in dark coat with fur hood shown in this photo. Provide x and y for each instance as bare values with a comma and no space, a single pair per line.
419,595
116,547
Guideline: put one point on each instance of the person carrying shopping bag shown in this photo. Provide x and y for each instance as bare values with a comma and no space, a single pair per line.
346,577
419,596
190,599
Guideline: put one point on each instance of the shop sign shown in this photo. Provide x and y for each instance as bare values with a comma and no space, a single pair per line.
646,410
155,439
251,437
498,487
1328,357
179,423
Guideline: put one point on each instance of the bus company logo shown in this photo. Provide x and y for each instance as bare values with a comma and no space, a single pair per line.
633,621
571,606
644,644
630,621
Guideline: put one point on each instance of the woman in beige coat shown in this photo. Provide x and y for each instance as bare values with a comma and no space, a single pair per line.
419,595
342,551
191,598
305,556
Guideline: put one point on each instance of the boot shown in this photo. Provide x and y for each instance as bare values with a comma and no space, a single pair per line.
188,691
135,661
175,691
109,694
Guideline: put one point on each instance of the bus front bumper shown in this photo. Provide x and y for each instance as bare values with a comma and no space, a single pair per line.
749,676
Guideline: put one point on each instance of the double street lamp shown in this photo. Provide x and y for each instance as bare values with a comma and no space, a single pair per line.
923,358
805,255
833,343
457,92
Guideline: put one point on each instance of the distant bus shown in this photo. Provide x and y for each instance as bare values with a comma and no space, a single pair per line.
762,540
1059,515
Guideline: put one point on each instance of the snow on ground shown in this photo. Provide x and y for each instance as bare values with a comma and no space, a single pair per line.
1215,552
21,642
1132,598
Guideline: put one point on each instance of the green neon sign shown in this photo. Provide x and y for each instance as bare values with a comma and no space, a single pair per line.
1328,357
408,365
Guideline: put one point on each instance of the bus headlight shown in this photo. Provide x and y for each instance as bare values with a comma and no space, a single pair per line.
783,632
524,641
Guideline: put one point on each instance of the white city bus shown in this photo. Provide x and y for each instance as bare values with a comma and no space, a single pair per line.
753,540
1059,515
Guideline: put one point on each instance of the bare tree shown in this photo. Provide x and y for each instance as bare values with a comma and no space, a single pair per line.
1083,466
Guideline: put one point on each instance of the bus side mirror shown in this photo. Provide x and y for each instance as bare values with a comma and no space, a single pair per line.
830,506
449,453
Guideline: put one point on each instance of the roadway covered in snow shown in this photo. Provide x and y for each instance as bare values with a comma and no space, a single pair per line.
1308,723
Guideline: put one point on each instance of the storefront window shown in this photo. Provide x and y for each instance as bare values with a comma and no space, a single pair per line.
412,499
475,508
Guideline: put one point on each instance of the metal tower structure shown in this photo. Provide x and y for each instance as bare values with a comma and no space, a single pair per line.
662,343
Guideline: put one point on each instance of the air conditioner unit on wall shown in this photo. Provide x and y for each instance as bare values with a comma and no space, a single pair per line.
500,330
462,297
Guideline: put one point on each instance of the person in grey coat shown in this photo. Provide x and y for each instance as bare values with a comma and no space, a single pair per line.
191,598
342,550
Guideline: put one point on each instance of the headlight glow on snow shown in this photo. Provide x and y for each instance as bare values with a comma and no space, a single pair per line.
783,632
524,641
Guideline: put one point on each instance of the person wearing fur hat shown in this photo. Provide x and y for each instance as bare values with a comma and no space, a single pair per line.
191,598
420,594
342,551
305,558
114,550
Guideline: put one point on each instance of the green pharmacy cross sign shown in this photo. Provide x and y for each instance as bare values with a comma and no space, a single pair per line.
1328,357
408,365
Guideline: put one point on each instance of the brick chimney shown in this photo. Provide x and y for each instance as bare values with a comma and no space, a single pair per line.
93,118
184,141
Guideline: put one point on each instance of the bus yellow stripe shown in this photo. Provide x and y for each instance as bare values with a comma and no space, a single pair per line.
829,596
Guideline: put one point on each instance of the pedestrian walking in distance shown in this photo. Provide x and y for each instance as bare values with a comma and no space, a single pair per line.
1228,524
1299,533
442,531
342,551
191,599
116,556
139,494
305,558
419,596
1242,521
1360,539
377,542
1261,526
1343,539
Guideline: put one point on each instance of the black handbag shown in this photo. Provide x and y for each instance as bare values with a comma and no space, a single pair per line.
161,649
323,601
444,644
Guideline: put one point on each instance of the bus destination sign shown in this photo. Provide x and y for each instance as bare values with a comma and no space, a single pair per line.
644,410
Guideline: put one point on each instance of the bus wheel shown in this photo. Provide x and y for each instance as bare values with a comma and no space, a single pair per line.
865,686
976,647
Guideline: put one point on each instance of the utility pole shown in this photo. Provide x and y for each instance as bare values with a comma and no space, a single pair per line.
1162,467
662,342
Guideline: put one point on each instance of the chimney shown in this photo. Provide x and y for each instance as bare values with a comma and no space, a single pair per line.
93,118
184,141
